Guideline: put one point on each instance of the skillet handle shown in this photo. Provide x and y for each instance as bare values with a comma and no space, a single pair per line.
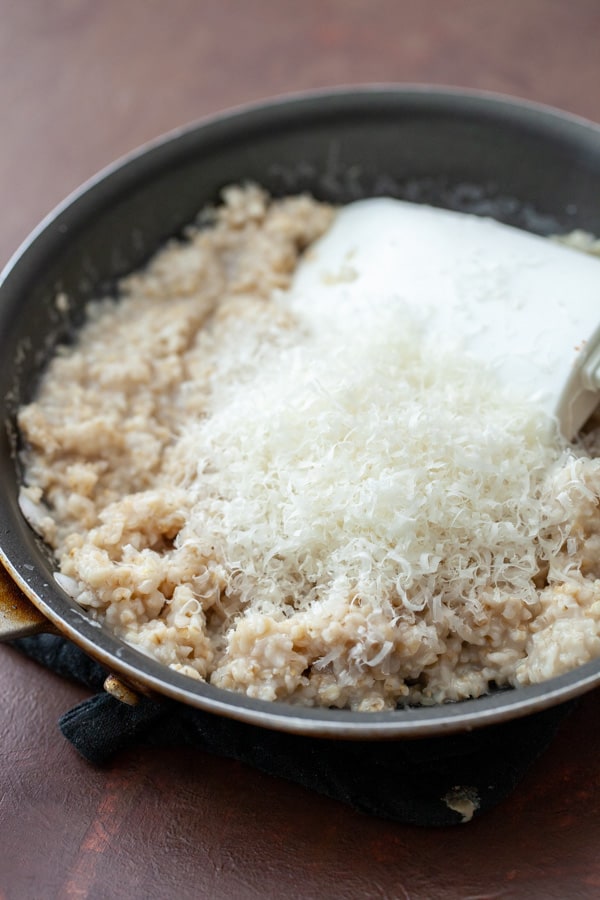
18,616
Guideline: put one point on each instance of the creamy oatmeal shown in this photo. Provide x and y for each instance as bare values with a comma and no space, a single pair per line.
306,503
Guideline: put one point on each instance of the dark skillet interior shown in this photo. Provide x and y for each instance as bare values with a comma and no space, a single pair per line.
522,164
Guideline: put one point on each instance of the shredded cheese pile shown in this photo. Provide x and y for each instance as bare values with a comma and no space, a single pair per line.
362,463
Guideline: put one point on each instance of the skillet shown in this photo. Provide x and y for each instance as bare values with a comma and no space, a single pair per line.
523,164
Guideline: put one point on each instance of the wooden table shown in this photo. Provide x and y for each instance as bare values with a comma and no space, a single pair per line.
81,82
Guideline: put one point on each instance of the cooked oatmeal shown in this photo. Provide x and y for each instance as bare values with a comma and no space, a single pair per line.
301,503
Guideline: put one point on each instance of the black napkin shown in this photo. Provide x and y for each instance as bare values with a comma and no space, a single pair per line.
429,782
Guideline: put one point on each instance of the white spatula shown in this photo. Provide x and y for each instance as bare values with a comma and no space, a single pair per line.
528,306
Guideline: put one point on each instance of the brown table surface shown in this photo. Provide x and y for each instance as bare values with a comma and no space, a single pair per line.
81,82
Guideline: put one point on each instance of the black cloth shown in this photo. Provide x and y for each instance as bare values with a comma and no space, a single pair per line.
429,782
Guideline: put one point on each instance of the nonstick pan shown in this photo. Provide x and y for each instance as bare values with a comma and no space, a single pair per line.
523,164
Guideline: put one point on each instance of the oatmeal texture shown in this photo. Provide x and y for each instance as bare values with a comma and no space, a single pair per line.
298,515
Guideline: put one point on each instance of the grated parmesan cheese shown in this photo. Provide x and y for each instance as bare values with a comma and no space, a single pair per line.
305,494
